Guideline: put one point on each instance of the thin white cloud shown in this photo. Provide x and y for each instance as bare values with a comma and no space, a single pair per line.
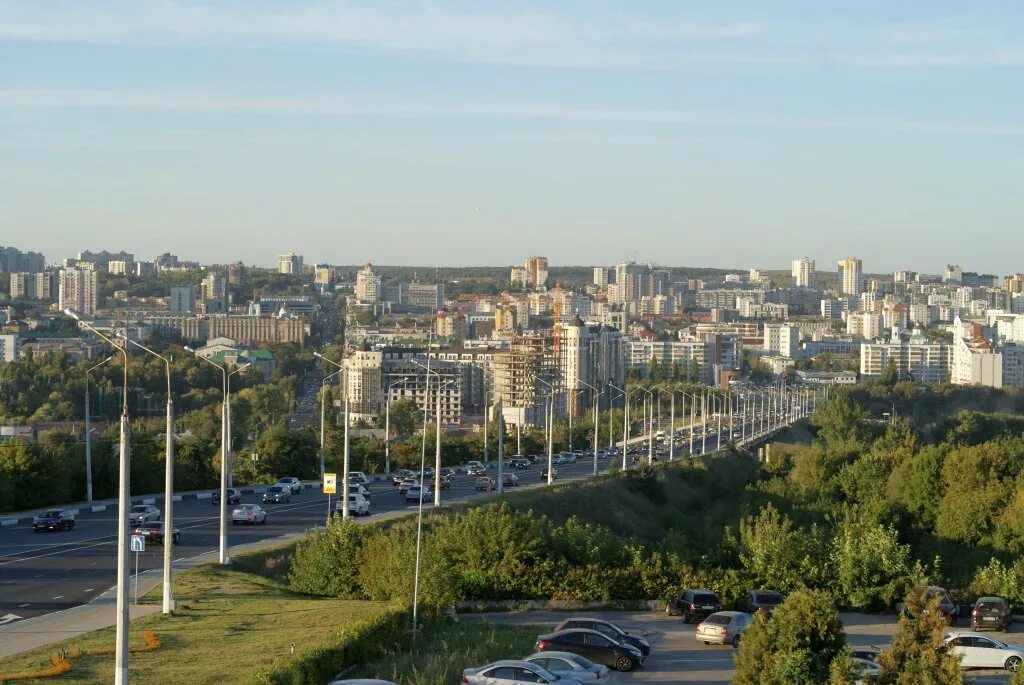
356,107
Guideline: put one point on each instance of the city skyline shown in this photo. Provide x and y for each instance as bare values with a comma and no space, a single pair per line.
591,134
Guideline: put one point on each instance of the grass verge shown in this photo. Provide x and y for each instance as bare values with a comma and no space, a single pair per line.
446,647
228,625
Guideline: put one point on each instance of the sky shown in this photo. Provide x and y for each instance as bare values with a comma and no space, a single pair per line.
736,134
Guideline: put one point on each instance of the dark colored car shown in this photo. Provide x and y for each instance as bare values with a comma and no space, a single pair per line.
990,612
53,519
154,532
544,473
593,645
234,496
520,464
509,480
694,604
277,494
762,600
401,474
947,609
608,629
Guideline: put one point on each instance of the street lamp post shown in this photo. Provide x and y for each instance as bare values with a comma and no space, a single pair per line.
550,427
225,449
345,456
387,425
611,436
597,393
323,423
426,404
168,594
123,502
88,432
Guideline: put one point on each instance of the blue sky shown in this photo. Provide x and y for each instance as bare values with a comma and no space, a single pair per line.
738,134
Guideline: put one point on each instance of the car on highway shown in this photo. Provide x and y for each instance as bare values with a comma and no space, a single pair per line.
234,496
359,490
693,604
485,483
412,480
512,672
572,666
154,532
474,464
277,494
53,519
520,464
544,473
509,480
981,651
450,474
761,600
594,646
413,494
723,628
290,482
143,513
358,477
476,470
357,505
608,629
570,457
249,513
401,474
990,613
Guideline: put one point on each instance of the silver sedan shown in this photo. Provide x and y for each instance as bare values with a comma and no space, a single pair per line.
510,672
571,666
249,513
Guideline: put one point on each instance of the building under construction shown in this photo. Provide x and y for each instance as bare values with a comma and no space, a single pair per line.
525,376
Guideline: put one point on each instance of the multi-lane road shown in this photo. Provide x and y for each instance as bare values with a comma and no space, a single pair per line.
41,573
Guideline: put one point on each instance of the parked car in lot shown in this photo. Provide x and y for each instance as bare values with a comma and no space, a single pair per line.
544,473
511,672
154,532
290,482
362,681
234,496
249,513
608,629
358,477
694,604
400,475
358,505
761,600
594,646
143,513
485,483
990,613
509,480
53,519
571,666
413,494
277,494
723,628
520,464
981,651
948,610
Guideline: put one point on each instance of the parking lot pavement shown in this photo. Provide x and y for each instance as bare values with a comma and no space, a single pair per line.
676,657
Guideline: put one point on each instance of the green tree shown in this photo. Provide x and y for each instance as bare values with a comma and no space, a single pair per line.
406,418
841,421
284,451
777,554
797,646
918,654
872,567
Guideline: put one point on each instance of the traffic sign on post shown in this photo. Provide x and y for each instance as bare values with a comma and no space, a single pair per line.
138,543
330,483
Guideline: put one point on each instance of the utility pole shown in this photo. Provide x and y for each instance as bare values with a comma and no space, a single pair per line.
501,444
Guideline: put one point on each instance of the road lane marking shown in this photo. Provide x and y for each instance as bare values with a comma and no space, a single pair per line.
22,606
58,596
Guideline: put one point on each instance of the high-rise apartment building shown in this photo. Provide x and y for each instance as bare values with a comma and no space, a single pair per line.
601,279
536,272
369,285
78,290
918,360
13,260
10,347
590,356
362,380
290,263
183,299
851,276
323,274
29,286
953,274
803,272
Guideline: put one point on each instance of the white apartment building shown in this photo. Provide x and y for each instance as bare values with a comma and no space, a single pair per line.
368,285
781,339
864,325
917,360
894,316
290,263
362,378
536,271
590,355
601,276
803,272
119,267
851,276
923,315
700,358
10,347
978,362
520,277
78,290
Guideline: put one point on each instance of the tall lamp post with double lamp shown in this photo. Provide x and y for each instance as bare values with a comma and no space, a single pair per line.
123,503
323,422
387,425
597,394
550,427
168,603
88,432
345,454
225,449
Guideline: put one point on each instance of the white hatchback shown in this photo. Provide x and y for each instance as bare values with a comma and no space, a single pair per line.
981,651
